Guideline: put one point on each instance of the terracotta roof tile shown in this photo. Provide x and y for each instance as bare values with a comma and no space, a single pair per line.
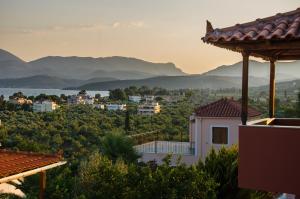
12,162
224,108
277,27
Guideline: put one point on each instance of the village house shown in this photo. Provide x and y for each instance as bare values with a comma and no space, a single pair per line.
149,109
269,148
80,99
99,106
44,106
116,107
135,98
19,101
216,125
211,127
149,98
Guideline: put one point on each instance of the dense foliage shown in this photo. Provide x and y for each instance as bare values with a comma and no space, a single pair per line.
101,160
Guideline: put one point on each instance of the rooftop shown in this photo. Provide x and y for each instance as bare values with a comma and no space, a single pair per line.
224,108
13,163
274,37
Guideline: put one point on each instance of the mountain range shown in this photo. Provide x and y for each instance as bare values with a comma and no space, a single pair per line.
84,68
120,72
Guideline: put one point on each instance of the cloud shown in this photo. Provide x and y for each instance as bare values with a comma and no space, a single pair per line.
97,27
116,24
137,24
131,24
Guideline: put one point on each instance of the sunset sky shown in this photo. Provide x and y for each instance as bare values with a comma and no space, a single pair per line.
153,30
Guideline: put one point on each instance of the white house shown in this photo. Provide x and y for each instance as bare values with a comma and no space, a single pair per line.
99,106
211,126
149,109
44,106
115,107
81,99
149,98
135,98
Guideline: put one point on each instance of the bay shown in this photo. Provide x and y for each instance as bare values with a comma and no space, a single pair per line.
6,92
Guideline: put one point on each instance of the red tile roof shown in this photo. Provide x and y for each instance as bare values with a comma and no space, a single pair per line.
224,108
12,162
278,27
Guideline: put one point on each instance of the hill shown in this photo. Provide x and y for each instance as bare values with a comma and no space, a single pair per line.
115,67
43,81
284,70
84,68
12,66
177,82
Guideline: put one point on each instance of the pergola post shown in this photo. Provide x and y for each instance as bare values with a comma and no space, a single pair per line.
244,114
42,184
272,90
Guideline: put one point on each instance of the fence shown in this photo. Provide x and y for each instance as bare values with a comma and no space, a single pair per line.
169,147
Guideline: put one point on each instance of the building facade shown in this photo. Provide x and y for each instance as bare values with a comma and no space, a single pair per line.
149,109
211,127
116,107
44,106
135,98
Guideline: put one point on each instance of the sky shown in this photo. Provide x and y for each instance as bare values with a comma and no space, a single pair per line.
152,30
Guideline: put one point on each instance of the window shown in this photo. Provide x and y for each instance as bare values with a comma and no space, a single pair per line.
219,135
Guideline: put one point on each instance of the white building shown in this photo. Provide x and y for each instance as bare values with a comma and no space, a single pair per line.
149,109
81,99
20,101
99,106
115,107
44,106
149,98
135,98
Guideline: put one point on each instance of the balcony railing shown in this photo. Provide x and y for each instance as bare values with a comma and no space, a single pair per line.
167,147
269,155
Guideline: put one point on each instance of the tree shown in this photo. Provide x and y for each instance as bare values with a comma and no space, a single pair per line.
82,92
127,121
117,94
98,96
222,166
118,146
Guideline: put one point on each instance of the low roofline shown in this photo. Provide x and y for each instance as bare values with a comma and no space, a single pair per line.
31,172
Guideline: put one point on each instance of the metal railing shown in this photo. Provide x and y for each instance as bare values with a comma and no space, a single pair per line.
168,147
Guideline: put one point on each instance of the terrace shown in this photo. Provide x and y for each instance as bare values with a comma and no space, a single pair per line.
168,147
156,145
268,149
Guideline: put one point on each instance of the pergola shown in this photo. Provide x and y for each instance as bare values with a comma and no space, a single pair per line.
17,165
273,38
269,148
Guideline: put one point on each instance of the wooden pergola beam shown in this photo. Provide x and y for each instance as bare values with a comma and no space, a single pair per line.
272,90
42,184
244,115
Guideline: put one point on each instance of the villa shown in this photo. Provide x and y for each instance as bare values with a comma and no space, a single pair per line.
269,148
135,98
212,126
116,107
80,99
149,109
44,106
19,101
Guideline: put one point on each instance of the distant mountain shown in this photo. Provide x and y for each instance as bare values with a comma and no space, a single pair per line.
284,70
115,67
291,87
84,68
12,66
43,81
177,82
